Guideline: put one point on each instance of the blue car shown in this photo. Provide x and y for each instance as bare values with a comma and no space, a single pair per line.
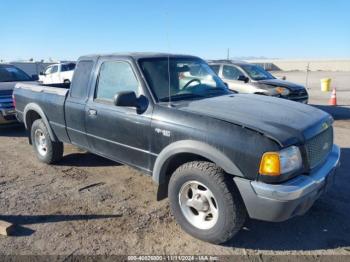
9,77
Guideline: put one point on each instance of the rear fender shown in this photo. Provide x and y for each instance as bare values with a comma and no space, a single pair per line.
36,108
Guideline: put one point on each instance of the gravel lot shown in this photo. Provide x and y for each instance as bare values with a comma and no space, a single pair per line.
89,205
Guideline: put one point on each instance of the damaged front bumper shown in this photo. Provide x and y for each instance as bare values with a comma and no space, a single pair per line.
279,202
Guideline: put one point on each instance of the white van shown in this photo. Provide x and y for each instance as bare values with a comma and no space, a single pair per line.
58,73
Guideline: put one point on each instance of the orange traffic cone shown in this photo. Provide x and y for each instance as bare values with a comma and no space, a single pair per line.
333,100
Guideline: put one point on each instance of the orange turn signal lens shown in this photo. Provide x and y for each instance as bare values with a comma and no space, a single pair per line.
279,90
270,164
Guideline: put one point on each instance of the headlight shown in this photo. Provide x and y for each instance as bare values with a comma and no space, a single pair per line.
290,159
282,162
282,91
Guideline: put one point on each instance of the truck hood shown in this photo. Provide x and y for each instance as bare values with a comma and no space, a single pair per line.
281,83
284,121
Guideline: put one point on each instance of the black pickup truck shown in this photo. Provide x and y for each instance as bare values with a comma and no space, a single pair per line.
219,156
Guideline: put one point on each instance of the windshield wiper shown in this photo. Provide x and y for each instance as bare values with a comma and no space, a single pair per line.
180,97
217,91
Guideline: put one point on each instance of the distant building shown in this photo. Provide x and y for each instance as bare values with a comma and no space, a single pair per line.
303,64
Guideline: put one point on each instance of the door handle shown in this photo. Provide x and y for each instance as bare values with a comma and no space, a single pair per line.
92,112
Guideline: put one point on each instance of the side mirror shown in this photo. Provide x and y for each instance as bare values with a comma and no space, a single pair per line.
129,99
35,77
243,78
284,78
125,98
42,73
226,84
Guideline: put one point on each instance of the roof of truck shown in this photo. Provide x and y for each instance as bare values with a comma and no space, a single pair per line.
135,55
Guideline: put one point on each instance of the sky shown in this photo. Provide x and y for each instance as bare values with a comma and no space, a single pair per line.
64,30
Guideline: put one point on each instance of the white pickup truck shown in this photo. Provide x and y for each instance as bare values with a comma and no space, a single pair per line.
58,73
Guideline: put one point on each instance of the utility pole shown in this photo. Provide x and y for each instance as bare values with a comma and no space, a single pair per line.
228,53
307,75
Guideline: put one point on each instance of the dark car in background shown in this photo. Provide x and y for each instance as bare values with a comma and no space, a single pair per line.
9,77
244,77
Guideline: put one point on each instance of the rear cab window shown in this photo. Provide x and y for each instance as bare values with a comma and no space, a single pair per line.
81,79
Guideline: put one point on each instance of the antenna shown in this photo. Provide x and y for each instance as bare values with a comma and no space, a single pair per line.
168,45
169,87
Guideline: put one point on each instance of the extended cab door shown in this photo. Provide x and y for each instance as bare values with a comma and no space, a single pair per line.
75,106
119,133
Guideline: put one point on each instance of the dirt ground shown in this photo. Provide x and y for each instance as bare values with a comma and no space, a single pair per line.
89,205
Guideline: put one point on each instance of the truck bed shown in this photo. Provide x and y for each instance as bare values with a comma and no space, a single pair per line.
59,89
50,99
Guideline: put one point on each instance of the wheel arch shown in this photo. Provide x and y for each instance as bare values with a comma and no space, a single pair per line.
33,112
178,153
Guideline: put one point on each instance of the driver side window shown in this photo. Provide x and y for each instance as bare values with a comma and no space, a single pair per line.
114,77
231,73
54,69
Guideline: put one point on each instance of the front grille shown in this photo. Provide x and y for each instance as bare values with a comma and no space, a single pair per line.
318,147
298,93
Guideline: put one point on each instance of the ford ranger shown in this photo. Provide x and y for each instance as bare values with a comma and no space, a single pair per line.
217,155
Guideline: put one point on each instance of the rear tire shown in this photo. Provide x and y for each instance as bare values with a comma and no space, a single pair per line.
205,202
47,151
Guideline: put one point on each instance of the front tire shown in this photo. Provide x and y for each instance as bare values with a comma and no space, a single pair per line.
205,202
47,151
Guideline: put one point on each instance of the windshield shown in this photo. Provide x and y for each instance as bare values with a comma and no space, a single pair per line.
190,78
257,73
12,74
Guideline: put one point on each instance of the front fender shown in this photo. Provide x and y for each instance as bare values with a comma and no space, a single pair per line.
194,147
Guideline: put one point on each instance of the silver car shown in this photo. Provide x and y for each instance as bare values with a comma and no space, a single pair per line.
243,77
